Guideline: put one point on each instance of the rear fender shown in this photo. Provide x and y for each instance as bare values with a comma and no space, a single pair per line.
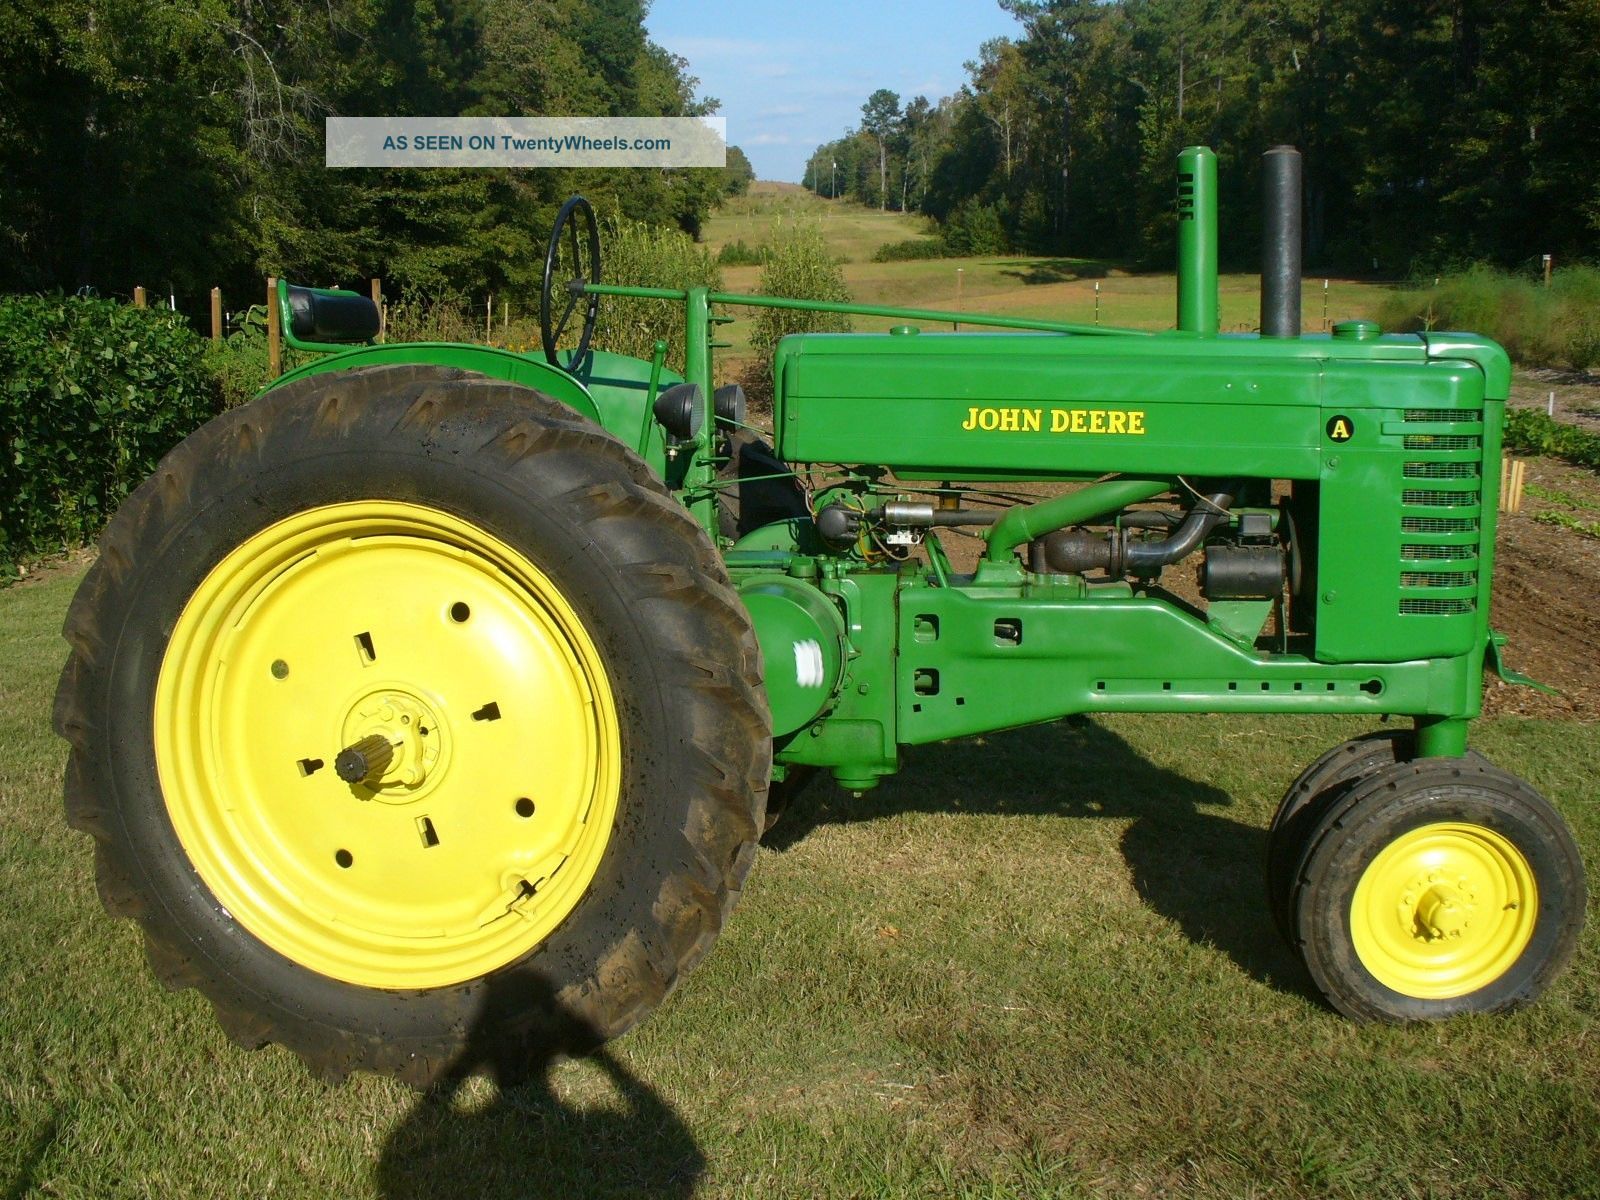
484,360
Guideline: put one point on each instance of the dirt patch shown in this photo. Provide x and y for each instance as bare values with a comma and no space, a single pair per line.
1546,579
1576,395
37,571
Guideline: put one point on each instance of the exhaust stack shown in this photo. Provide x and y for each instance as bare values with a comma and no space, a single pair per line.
1280,242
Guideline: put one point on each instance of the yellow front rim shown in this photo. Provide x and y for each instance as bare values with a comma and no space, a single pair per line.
1443,910
375,622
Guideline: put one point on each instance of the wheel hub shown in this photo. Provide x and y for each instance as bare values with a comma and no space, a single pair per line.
1443,910
419,737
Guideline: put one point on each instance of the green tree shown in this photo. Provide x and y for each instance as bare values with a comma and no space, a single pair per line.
880,120
738,174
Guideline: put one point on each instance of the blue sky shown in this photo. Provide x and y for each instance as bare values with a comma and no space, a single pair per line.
792,76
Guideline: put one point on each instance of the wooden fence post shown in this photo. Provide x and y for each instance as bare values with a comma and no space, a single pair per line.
274,333
216,314
138,297
377,300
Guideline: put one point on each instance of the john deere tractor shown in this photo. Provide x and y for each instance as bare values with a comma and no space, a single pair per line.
437,699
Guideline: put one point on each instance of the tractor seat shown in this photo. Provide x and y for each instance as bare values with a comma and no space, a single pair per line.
329,315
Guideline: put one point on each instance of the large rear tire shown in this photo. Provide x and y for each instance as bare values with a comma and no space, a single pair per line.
401,691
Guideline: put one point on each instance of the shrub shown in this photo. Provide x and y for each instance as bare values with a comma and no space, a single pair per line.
975,228
1529,431
240,362
433,317
1539,326
911,250
738,254
639,255
798,266
92,394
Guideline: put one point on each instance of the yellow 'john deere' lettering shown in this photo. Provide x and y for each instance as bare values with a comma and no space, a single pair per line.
1062,420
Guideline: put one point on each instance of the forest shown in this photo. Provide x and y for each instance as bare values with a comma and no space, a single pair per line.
180,145
1435,132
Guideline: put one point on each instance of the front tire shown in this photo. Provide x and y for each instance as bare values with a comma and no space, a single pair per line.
464,572
1308,797
1436,888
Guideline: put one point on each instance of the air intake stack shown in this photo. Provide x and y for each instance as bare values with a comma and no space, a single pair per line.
1280,243
1197,240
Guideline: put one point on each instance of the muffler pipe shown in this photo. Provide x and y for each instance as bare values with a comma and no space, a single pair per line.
1281,233
1078,551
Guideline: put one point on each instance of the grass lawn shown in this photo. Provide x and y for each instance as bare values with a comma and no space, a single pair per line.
1058,289
853,230
1034,964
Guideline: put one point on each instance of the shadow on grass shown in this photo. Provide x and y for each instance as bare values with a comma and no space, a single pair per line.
1200,869
1035,271
25,1182
526,1141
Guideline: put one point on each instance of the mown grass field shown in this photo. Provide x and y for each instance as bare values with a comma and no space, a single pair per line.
1059,289
1037,964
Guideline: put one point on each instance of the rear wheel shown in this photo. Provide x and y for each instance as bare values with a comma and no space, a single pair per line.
1436,888
402,690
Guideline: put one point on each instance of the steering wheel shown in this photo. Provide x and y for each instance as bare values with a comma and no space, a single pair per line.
566,273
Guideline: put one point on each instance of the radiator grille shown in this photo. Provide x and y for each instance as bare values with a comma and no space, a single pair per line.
1442,551
1421,550
1429,499
1437,608
1442,441
1441,470
1438,524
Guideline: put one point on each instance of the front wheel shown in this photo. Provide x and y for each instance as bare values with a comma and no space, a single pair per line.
1308,797
1435,888
400,691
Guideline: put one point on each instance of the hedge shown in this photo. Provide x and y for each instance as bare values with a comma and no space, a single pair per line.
911,250
92,394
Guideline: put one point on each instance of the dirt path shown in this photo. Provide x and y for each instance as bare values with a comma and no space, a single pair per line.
1546,581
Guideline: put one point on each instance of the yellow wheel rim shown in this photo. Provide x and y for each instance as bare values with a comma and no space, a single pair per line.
376,622
1443,910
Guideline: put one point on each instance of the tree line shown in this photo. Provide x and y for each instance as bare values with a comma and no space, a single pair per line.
1435,132
180,144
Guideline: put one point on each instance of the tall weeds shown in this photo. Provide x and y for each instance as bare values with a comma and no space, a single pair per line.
640,255
798,265
1539,326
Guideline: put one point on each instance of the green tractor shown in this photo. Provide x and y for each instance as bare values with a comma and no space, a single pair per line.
431,706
